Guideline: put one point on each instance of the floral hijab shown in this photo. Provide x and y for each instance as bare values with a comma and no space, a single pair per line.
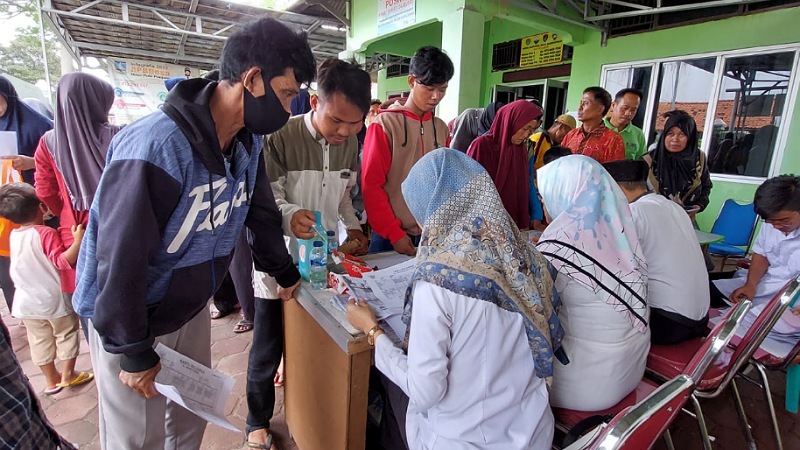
592,238
471,247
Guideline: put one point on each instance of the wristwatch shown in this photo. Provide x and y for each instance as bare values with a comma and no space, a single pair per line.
371,334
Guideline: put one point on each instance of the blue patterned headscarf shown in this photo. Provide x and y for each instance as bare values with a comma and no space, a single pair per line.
592,238
470,246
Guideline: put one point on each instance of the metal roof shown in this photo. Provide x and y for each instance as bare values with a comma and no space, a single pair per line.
596,13
184,32
333,9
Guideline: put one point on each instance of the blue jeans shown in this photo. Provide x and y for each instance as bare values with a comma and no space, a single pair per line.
379,243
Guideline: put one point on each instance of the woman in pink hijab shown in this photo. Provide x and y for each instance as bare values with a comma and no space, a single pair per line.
503,154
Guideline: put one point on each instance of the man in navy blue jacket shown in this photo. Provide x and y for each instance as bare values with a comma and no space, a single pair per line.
177,189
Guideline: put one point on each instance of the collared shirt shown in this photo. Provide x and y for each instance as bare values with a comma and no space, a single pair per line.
635,144
783,254
306,172
602,144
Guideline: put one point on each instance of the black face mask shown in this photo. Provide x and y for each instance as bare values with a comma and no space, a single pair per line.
265,114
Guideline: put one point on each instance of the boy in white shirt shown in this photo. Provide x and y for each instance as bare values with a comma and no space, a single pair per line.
37,255
776,250
677,284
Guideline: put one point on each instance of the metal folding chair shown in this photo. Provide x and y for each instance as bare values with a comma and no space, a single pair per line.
639,427
695,358
664,362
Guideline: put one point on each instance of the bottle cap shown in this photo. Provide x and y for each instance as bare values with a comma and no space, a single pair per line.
331,233
317,243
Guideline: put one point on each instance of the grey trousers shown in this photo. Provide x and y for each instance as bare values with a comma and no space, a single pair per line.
127,420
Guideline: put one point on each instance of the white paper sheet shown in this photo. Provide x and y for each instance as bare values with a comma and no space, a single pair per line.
8,143
361,290
391,284
194,386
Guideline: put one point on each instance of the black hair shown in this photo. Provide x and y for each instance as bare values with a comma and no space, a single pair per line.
346,77
270,45
375,101
212,75
554,153
633,185
626,91
431,66
781,193
601,95
19,203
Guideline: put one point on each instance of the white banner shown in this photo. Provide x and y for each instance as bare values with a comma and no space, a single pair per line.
395,15
139,86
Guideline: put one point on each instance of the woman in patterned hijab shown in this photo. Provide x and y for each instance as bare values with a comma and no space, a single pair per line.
481,315
602,278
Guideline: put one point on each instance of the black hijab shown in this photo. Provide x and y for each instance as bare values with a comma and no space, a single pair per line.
23,120
487,117
676,172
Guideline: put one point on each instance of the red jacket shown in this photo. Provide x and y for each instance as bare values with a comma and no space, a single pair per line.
52,191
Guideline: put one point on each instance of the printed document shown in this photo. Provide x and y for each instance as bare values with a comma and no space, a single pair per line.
194,386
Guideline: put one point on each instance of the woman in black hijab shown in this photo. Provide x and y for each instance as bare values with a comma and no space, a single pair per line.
678,169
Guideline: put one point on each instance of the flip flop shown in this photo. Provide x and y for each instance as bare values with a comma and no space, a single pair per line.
53,390
259,446
82,378
219,314
243,326
279,381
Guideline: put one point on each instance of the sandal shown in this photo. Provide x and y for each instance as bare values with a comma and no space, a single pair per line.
279,381
269,445
82,378
243,326
53,390
217,314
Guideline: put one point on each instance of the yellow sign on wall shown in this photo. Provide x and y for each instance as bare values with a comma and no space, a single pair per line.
540,50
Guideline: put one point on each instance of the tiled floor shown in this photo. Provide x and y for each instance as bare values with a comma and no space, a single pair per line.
74,411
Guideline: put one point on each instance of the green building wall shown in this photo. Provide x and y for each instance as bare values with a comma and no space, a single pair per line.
754,30
508,23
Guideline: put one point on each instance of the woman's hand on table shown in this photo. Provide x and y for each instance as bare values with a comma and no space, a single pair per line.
360,316
21,162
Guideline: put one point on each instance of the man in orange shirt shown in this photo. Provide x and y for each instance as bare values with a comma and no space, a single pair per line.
593,138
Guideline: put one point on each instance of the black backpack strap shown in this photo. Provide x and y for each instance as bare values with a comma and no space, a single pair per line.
582,427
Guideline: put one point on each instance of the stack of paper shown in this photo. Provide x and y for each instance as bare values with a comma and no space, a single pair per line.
385,292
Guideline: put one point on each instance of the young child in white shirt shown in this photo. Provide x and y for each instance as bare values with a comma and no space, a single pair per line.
37,256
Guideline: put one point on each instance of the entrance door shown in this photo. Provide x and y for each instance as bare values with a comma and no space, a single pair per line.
551,93
555,101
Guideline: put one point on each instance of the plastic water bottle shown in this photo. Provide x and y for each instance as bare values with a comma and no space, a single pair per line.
333,243
319,272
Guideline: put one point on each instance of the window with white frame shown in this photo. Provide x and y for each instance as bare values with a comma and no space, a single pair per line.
740,101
